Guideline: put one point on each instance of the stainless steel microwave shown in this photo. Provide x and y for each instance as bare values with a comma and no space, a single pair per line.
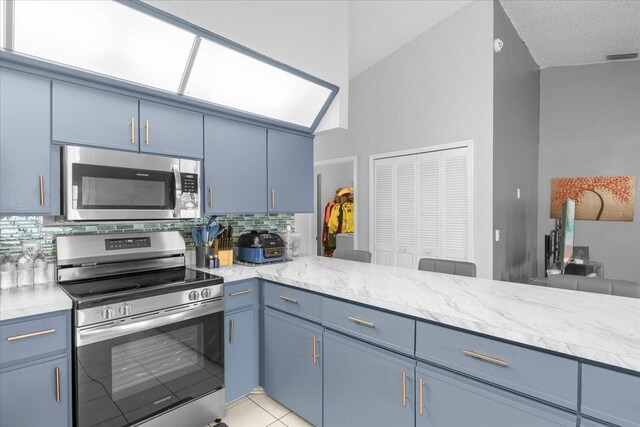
116,185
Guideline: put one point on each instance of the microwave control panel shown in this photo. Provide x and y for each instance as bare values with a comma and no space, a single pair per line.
189,182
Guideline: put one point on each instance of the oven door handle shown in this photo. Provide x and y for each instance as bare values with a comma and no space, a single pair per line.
178,190
91,335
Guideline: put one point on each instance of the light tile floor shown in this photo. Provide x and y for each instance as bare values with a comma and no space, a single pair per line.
259,410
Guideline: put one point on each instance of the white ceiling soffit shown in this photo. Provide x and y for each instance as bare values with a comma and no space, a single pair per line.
379,28
574,32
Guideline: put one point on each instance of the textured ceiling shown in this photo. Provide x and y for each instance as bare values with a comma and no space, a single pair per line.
378,28
573,32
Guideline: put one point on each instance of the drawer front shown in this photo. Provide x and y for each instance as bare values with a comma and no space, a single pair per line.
375,326
611,396
293,301
240,294
535,373
22,340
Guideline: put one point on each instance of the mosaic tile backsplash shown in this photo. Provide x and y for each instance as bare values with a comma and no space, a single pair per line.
16,230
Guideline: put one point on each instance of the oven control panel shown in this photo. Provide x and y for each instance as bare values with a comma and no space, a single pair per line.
130,243
169,302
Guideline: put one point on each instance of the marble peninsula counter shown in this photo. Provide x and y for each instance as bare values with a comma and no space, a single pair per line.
601,328
33,300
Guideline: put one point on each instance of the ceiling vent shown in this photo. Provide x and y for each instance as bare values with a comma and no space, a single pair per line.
620,56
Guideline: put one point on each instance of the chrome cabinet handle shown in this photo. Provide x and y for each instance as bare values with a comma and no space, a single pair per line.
231,331
57,384
41,190
289,299
315,350
133,130
210,197
404,388
361,322
486,358
273,197
31,334
420,397
236,293
146,128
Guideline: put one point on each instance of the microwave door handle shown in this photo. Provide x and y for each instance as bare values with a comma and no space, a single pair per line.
178,190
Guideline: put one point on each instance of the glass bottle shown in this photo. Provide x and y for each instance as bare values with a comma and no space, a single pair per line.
8,273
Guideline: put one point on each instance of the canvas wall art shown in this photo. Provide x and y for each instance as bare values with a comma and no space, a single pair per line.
598,198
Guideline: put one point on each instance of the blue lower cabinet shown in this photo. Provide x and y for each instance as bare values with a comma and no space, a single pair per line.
450,400
365,385
611,396
293,359
241,353
36,395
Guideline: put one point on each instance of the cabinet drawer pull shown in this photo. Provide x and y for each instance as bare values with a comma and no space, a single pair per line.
361,322
57,384
420,397
210,197
273,197
146,128
289,299
231,331
485,357
404,388
31,334
133,130
236,293
315,350
41,190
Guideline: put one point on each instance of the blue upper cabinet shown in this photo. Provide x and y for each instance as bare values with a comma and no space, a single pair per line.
290,172
170,131
235,167
83,115
25,171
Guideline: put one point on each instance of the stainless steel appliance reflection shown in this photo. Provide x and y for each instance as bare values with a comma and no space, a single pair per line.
149,333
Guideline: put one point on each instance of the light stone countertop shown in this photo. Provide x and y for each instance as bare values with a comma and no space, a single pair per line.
596,327
32,300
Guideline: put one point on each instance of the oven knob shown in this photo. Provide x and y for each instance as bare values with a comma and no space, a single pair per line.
206,293
193,296
125,309
108,313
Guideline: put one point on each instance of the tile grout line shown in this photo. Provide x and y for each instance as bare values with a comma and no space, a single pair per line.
267,411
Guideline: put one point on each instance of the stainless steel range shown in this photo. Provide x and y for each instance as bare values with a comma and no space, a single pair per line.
148,332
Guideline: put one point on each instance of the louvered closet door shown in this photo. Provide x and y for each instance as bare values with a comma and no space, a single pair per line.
383,212
429,192
455,204
404,192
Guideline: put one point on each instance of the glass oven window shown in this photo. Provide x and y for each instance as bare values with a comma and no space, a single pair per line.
130,378
106,187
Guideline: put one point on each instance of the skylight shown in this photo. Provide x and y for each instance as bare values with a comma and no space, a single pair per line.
131,43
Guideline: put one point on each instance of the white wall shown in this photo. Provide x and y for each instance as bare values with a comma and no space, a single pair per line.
590,126
436,89
311,36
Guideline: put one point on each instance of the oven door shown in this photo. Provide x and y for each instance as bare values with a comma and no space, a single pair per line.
133,370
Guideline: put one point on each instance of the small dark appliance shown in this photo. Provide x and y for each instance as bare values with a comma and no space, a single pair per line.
259,246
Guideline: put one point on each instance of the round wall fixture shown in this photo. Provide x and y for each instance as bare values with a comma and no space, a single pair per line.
497,45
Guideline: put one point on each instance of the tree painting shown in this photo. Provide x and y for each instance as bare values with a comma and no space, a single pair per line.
599,198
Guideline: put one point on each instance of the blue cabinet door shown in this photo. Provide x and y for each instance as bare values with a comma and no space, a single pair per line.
170,131
293,364
83,115
241,353
611,396
366,386
25,171
37,395
235,170
290,172
451,400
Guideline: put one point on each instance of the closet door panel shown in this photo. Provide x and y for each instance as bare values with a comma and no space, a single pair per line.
383,212
404,205
429,194
455,205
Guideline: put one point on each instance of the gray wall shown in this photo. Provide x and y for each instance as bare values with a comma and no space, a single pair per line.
436,89
590,126
516,101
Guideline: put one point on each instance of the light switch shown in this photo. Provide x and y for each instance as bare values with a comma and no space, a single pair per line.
497,235
518,193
